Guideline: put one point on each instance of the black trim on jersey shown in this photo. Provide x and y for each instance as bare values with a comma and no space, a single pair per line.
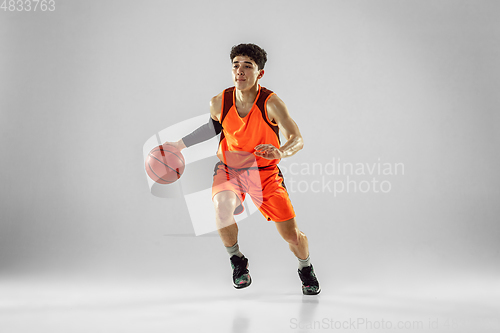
283,178
228,103
261,104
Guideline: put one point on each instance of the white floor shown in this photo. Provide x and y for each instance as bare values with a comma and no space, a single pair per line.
142,305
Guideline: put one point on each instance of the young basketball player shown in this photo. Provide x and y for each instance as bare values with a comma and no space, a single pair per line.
250,118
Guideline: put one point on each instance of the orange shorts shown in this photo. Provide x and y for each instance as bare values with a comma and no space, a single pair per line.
265,186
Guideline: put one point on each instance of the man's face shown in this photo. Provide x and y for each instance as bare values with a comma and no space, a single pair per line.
245,72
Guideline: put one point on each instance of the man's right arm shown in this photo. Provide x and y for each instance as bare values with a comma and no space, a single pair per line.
206,131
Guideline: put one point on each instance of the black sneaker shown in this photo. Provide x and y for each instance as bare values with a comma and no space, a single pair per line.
241,278
310,285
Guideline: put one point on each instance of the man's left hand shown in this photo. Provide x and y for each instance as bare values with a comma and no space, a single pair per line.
268,151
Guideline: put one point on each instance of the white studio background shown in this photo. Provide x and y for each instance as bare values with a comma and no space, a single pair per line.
412,82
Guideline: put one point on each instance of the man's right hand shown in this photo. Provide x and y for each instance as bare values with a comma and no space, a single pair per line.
179,144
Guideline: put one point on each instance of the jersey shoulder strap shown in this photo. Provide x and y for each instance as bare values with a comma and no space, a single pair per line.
227,102
263,97
261,103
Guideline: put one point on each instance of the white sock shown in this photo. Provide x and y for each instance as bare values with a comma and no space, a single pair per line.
234,250
304,262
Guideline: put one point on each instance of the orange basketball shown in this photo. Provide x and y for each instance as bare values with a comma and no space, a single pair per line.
165,164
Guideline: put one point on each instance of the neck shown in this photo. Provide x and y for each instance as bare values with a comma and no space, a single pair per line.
247,96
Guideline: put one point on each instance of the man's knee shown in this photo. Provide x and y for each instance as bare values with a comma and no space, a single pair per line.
225,203
292,236
290,231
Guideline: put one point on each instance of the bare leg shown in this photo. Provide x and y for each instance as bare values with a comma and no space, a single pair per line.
225,203
296,239
300,247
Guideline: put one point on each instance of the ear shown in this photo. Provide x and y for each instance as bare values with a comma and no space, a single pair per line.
261,74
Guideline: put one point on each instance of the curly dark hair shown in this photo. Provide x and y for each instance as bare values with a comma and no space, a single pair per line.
252,51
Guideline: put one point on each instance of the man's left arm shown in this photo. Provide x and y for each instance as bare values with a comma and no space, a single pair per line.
278,113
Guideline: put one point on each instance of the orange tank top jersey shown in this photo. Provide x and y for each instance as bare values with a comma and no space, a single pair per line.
240,135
